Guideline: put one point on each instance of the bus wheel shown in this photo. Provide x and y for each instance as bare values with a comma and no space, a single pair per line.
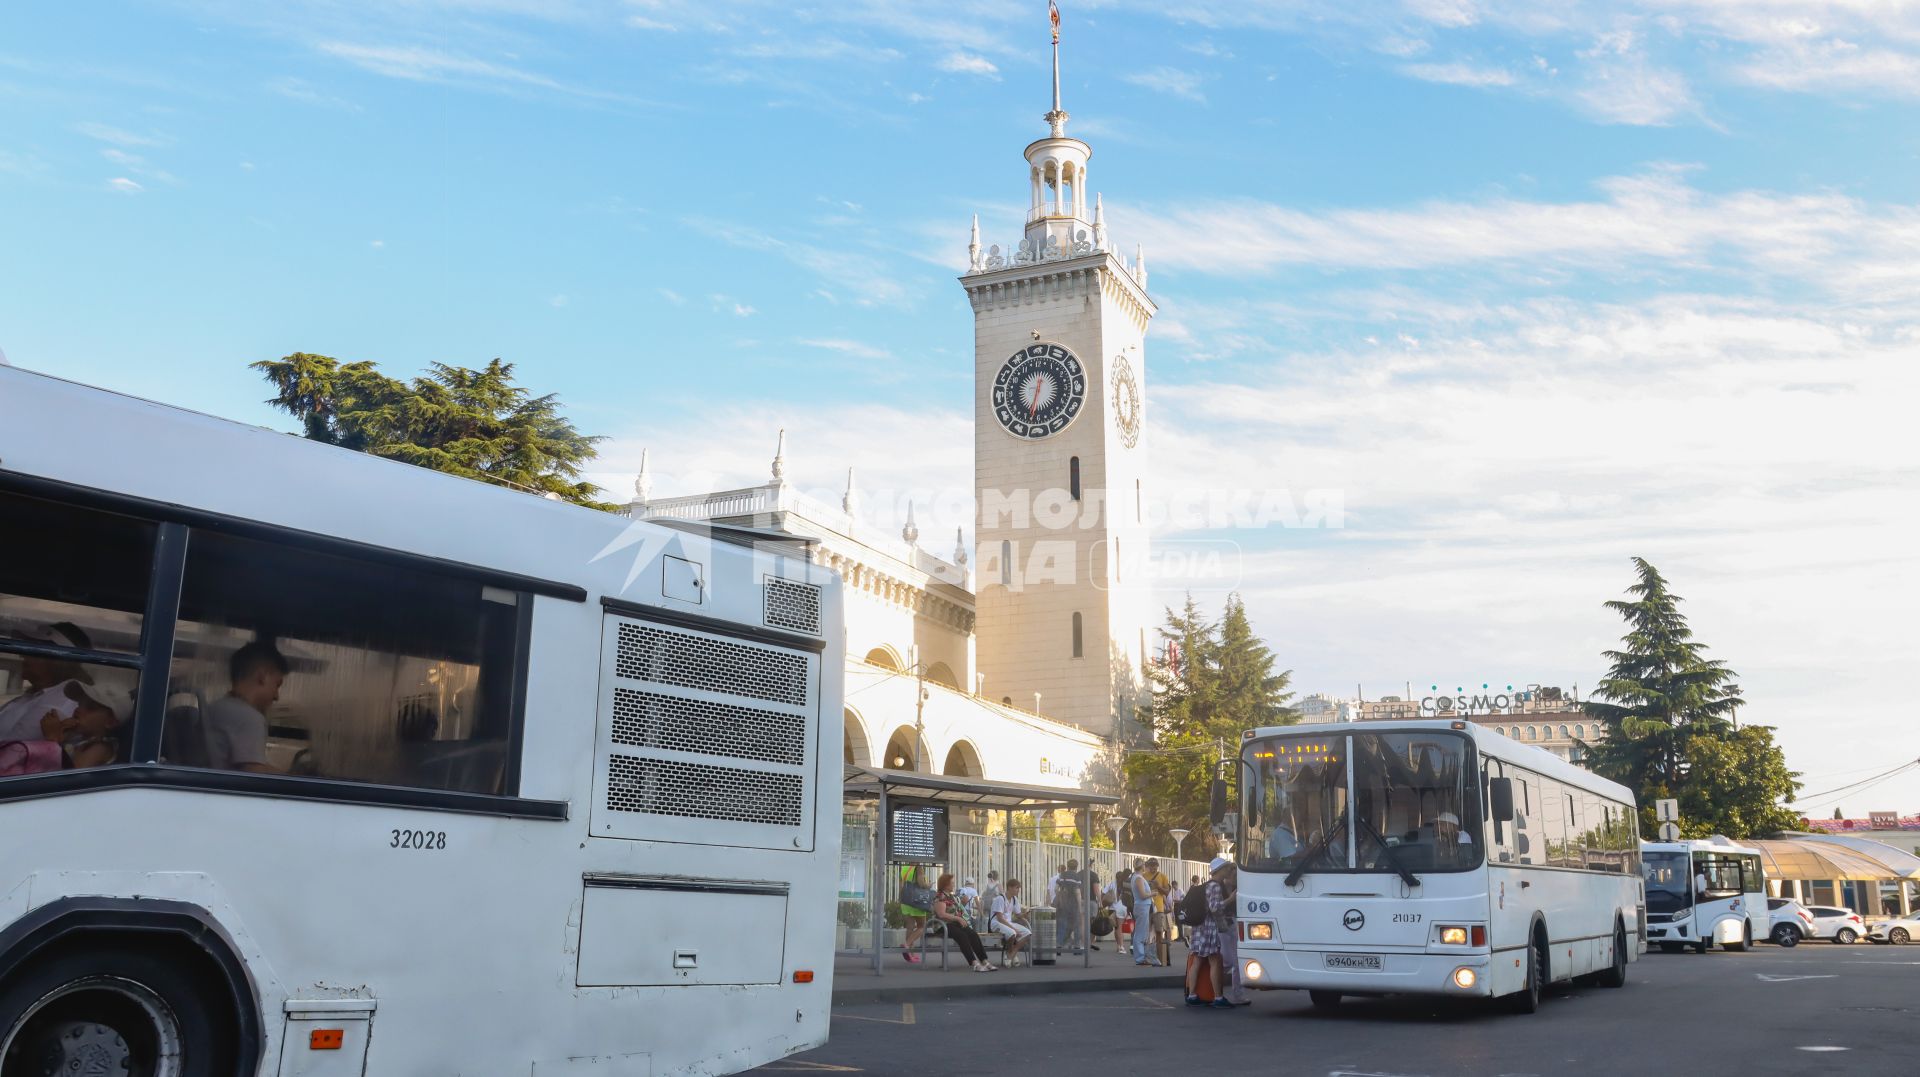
1701,946
1671,947
1527,999
118,1010
1615,975
1746,939
1324,1000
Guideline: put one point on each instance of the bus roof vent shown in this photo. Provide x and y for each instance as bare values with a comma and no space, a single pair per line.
792,606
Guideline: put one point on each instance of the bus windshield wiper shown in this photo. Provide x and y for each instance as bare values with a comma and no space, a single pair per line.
1393,855
1319,847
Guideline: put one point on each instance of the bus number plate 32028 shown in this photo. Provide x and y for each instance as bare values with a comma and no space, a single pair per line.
1353,962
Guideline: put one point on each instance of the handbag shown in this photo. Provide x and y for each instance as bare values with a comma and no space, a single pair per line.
19,757
915,895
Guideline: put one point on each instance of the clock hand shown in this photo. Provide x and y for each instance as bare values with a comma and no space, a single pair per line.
1034,406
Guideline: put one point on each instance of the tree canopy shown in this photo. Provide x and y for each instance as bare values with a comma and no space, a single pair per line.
1220,681
475,423
1669,714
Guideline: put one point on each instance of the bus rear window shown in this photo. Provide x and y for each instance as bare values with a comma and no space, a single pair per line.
291,661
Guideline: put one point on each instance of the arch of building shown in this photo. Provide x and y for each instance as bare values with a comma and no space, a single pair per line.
886,657
900,755
941,673
857,750
963,761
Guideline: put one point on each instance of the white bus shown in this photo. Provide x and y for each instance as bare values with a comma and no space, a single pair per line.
1703,892
1430,857
361,768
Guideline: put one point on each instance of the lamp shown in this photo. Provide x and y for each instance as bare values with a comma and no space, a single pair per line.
1179,837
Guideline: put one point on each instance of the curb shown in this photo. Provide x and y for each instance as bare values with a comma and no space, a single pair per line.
1003,988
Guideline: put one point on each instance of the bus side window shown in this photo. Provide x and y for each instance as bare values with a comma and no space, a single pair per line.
292,661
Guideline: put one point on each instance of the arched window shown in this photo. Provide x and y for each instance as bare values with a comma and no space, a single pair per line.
1079,649
1073,478
1564,735
1006,562
1580,731
1530,734
1006,701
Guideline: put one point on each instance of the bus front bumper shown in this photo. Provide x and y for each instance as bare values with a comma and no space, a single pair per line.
1463,975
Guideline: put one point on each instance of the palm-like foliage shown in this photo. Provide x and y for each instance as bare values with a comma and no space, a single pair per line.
474,423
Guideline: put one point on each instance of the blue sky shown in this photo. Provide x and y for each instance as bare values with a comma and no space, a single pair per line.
1533,286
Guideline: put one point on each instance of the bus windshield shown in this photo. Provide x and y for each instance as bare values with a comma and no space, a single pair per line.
1669,883
1359,802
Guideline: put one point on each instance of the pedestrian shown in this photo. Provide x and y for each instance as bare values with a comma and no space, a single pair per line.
1099,917
1173,904
1070,910
1209,940
1010,920
987,895
1161,885
1230,938
948,911
1140,886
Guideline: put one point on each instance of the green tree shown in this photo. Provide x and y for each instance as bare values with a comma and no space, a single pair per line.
1223,683
1669,712
474,423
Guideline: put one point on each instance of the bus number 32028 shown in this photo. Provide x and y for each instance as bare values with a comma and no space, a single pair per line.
418,839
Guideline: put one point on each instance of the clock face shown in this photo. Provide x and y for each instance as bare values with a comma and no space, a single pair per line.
1126,402
1038,391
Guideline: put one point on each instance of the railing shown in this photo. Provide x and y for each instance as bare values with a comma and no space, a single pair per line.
1050,209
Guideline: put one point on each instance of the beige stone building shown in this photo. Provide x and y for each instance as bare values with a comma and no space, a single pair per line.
1545,717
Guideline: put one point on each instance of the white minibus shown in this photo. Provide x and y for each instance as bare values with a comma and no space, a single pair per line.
1433,858
1703,892
322,764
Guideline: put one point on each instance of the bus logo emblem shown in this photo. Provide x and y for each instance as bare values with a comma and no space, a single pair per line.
1353,920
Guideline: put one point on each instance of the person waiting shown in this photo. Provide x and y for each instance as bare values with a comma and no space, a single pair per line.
1140,890
952,918
1069,899
1010,920
236,723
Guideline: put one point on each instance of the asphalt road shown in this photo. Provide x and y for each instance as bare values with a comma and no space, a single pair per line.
1817,1008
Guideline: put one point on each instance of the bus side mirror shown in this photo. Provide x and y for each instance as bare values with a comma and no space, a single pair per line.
1501,790
1217,802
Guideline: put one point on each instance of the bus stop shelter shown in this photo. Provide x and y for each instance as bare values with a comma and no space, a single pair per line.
976,794
1814,870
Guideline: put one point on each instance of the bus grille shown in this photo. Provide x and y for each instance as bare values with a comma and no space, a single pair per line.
693,790
738,669
793,606
651,720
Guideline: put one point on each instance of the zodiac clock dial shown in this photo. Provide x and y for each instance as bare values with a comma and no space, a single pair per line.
1126,402
1039,391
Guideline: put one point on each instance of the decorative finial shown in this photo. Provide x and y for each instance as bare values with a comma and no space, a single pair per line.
850,501
1140,264
973,245
643,482
911,532
1099,225
1057,119
959,548
780,458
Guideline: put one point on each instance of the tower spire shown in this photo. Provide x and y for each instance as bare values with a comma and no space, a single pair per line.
1057,118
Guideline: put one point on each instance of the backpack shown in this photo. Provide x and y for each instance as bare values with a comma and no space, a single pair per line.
1193,907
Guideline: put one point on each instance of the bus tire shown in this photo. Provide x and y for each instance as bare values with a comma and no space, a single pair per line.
141,1007
1746,939
1672,947
1615,975
1324,1000
1701,946
1527,999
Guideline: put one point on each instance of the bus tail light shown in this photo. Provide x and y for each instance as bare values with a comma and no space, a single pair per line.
803,976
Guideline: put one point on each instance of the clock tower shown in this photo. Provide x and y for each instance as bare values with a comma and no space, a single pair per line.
1063,600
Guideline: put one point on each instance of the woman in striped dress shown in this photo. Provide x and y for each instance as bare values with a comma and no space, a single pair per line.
1208,938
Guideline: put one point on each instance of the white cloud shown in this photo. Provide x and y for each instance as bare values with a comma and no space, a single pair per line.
557,301
376,244
303,91
1460,74
416,63
118,137
1169,80
854,348
967,63
1624,85
124,185
673,297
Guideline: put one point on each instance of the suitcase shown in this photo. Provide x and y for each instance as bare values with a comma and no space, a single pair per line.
1203,985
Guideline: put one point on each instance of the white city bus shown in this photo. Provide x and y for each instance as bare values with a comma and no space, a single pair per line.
362,768
1430,857
1703,892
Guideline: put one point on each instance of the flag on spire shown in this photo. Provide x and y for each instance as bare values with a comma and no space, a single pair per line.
1053,16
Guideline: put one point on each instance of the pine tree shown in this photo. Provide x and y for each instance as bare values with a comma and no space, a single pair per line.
1669,715
1221,683
474,423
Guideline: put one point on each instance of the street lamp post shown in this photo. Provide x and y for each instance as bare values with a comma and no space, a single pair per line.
1179,839
1117,823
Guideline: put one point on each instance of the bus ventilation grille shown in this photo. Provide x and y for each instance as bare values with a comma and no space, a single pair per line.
792,606
675,724
693,790
737,669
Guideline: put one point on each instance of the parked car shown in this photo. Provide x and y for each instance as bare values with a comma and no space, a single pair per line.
1843,926
1790,918
1900,930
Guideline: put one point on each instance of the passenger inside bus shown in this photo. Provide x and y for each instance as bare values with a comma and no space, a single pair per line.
235,725
67,718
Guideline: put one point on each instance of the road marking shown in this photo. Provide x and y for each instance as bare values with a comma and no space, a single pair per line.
1769,978
797,1065
1151,1001
906,1016
1824,1047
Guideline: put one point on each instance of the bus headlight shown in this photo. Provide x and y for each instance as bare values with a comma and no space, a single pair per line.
1464,978
1260,931
1453,936
1255,970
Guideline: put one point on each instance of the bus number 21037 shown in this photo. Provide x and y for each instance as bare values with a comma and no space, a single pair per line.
418,839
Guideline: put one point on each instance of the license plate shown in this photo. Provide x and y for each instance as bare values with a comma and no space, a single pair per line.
1350,962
